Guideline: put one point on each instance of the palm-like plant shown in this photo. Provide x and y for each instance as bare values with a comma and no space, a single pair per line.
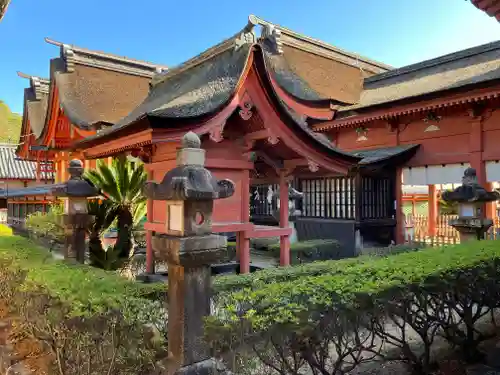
122,184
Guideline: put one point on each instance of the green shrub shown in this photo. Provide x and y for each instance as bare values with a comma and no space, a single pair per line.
434,291
280,274
47,224
77,310
307,251
392,250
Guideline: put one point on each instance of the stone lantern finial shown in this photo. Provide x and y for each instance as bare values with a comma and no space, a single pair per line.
75,169
190,152
191,140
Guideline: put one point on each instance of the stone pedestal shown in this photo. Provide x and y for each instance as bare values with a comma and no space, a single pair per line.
76,225
189,291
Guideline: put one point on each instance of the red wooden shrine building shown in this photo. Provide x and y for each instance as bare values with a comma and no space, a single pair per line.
250,99
258,103
447,105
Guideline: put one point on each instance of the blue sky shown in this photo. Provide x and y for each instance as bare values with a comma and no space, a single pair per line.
397,32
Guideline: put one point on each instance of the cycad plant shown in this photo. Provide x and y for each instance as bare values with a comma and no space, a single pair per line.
121,184
104,215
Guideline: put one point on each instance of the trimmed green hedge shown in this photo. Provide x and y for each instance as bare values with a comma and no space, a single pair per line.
75,311
435,291
285,300
86,289
307,251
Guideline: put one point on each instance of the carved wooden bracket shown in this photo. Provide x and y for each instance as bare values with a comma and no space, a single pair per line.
145,153
216,134
272,138
392,124
475,110
246,107
313,167
479,111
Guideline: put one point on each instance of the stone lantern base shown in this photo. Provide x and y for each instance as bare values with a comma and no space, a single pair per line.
471,229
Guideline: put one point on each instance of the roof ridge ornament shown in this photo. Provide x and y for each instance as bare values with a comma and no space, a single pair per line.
68,55
247,36
272,34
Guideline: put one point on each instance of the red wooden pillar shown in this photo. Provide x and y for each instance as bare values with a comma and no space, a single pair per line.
149,234
284,216
399,214
433,210
242,242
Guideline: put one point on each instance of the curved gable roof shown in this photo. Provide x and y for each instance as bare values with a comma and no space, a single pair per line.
35,107
96,87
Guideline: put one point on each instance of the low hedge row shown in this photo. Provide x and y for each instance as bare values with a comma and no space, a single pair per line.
435,291
255,280
308,251
76,311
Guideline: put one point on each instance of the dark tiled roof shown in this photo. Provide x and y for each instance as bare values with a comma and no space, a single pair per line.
470,66
13,168
195,92
202,85
377,155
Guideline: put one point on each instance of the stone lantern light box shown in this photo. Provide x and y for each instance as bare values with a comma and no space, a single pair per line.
189,191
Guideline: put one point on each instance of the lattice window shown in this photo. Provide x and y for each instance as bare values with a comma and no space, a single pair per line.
329,197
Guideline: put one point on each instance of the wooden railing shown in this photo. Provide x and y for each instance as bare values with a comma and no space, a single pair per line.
418,230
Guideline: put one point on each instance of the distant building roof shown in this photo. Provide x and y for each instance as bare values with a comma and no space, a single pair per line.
98,88
12,167
471,66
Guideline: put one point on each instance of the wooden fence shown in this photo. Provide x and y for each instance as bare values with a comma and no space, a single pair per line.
417,230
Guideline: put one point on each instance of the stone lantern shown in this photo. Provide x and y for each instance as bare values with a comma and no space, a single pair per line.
76,219
189,248
471,198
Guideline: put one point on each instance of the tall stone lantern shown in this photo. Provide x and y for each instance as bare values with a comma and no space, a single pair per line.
189,248
76,218
471,198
